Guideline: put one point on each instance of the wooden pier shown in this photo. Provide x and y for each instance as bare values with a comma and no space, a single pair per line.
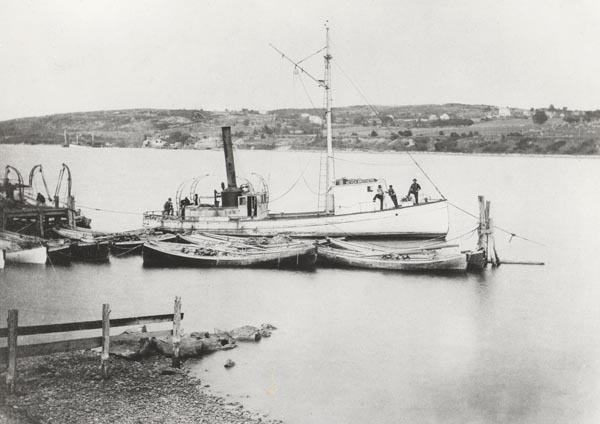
34,213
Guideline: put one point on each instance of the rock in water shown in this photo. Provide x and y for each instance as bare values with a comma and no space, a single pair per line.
194,346
246,333
229,363
266,329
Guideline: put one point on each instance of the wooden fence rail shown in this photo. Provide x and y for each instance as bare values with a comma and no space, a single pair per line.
9,354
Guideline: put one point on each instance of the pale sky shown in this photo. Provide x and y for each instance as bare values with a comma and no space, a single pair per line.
69,56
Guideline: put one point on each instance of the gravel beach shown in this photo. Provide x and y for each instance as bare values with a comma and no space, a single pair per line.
67,388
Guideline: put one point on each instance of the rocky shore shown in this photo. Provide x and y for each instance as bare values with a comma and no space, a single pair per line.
68,388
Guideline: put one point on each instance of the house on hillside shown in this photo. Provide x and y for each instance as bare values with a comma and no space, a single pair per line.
433,117
444,117
154,143
503,112
315,120
207,143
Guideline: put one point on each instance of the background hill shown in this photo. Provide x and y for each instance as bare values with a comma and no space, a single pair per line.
450,127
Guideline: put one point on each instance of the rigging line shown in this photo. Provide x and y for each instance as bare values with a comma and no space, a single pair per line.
293,185
309,187
372,164
109,210
309,56
425,173
306,91
510,233
356,88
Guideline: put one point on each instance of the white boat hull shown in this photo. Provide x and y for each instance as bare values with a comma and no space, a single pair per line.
426,220
2,260
37,255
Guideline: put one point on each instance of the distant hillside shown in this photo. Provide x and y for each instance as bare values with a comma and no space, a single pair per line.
118,127
449,127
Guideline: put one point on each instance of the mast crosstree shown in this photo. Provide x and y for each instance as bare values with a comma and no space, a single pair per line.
327,181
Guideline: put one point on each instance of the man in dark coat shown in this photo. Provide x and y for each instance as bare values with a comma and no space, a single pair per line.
392,194
414,190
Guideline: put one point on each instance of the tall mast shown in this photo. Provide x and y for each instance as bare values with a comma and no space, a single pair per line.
330,167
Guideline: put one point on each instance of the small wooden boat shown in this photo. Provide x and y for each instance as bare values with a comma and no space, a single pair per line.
21,248
35,255
131,244
92,252
85,246
340,253
59,251
81,234
293,255
236,241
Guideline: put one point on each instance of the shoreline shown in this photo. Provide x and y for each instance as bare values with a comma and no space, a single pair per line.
67,387
341,150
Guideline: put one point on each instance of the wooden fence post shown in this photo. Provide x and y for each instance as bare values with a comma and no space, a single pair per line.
11,372
176,363
105,340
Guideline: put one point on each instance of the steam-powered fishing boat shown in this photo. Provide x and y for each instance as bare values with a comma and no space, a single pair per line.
346,205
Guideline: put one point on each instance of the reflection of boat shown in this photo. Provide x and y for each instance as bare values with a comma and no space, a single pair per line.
339,253
346,206
225,254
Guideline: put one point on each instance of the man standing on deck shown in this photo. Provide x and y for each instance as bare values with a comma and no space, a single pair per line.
392,195
414,190
168,208
379,196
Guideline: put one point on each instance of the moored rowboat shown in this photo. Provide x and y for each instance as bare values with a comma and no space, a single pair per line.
20,248
414,260
132,244
294,255
34,255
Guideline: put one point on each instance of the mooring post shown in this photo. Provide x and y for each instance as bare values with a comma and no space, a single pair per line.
481,230
176,363
11,372
493,252
105,340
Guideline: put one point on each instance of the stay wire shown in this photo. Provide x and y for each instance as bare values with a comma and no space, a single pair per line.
510,233
293,185
306,91
111,211
426,176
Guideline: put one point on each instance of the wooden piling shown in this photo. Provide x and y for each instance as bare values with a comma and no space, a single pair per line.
105,340
11,372
482,229
176,362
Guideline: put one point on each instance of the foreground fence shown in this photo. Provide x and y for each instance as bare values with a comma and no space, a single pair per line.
9,354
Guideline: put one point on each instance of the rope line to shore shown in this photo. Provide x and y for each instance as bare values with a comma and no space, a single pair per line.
510,233
110,210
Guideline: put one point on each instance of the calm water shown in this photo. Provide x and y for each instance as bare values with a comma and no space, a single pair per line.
513,345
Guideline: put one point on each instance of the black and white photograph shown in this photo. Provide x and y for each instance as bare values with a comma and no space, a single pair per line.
290,212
